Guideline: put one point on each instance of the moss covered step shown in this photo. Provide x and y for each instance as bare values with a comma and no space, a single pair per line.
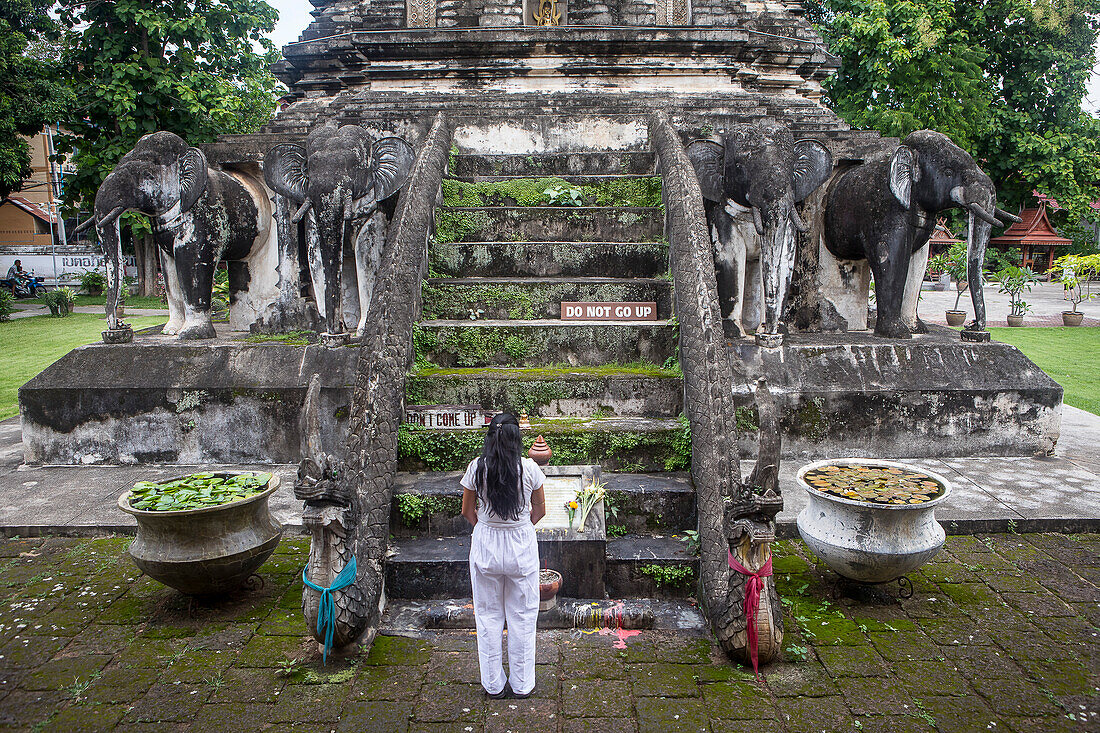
549,259
646,503
642,390
554,190
427,504
529,298
549,224
615,443
651,566
543,343
636,162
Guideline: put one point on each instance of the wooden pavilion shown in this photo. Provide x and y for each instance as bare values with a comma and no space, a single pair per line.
1035,238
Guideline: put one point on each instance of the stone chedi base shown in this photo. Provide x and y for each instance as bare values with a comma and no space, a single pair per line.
162,401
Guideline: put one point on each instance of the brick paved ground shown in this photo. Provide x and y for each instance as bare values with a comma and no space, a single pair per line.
1001,635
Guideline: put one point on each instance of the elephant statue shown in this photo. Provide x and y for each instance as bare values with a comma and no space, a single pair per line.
751,184
199,217
885,210
337,180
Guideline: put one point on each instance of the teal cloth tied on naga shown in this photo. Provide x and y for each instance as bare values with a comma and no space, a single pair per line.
326,608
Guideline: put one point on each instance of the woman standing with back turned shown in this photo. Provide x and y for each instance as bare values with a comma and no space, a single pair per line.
502,498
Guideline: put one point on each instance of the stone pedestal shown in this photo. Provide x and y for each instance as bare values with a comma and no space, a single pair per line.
161,400
932,396
579,554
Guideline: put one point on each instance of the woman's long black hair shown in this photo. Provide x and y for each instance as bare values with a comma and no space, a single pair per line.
498,471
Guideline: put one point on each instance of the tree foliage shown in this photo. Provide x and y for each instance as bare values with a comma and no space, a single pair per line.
1003,78
30,94
198,68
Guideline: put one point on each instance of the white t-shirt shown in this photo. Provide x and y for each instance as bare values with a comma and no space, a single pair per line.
531,479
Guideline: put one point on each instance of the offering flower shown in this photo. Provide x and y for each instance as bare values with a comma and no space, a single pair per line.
571,510
588,497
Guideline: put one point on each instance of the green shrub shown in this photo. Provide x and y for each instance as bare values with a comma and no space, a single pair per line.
93,282
7,305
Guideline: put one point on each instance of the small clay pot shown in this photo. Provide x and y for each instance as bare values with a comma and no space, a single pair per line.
548,589
956,318
1015,320
1071,318
540,452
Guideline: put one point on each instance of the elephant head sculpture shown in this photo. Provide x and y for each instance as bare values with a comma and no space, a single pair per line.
885,210
199,216
337,179
751,184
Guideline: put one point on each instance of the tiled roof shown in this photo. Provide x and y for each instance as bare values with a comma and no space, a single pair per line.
1033,228
32,208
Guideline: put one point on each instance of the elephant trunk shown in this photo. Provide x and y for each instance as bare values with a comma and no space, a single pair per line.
980,203
977,239
110,237
777,253
333,228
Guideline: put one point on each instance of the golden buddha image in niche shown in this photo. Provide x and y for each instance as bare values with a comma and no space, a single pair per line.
548,13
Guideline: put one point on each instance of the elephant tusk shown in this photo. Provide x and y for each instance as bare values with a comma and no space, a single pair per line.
799,223
984,215
104,221
1005,217
302,211
757,221
84,225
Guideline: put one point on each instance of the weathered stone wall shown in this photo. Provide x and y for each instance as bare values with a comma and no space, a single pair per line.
164,401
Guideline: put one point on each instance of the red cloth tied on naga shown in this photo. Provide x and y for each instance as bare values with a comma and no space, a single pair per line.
753,588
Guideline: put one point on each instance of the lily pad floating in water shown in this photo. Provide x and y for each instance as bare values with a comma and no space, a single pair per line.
197,491
875,484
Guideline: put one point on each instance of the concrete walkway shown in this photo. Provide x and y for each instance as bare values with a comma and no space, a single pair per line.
28,309
1059,493
1047,302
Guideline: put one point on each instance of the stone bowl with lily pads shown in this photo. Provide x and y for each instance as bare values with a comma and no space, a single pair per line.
870,520
203,533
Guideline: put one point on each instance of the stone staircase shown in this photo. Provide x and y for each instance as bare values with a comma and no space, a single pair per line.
607,394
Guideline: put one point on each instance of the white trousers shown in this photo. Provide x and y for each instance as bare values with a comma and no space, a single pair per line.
504,573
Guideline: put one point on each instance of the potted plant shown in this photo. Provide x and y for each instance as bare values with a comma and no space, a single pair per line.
1076,275
60,301
92,282
870,520
953,263
1013,281
203,533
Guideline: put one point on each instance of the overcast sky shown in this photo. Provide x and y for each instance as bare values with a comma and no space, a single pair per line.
294,17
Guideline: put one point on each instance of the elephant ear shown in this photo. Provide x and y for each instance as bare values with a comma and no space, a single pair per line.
285,171
707,157
812,165
192,175
904,172
391,161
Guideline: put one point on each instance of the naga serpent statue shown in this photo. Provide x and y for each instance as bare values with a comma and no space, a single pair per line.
347,498
736,517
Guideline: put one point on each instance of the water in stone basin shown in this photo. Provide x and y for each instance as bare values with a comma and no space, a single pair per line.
875,484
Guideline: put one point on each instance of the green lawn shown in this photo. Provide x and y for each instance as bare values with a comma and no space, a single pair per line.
1071,356
29,345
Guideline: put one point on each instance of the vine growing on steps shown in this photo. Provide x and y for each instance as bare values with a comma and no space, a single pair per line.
640,191
669,576
414,507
